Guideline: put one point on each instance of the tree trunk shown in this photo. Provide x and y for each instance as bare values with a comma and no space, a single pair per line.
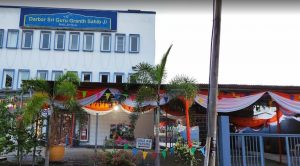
50,118
188,127
157,147
35,137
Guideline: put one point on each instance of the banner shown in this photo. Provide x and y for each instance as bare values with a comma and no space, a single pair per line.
50,18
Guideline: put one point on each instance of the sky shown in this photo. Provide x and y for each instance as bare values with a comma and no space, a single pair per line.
260,42
259,45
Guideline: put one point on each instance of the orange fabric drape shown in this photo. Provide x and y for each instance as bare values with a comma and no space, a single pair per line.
254,122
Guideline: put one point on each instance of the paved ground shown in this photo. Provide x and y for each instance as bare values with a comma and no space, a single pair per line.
84,157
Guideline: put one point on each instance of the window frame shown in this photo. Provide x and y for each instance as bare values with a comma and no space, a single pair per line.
116,42
138,44
23,39
118,74
84,49
101,42
4,80
12,30
2,39
104,73
55,71
20,81
37,74
40,43
70,41
82,76
55,40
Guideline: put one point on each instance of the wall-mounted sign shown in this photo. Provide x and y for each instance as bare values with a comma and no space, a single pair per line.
46,18
142,143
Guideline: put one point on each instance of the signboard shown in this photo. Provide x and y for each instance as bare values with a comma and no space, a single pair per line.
47,18
142,143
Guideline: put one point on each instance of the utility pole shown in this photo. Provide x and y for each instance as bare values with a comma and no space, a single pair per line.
211,140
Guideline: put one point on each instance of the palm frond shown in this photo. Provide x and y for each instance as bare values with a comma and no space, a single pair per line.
182,85
145,93
144,74
37,85
34,105
69,77
162,65
66,89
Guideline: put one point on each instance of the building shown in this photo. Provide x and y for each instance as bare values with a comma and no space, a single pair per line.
98,45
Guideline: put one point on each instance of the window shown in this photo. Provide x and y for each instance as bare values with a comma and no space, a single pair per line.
134,43
45,40
23,75
120,43
12,38
56,75
104,77
105,42
42,74
119,77
59,42
74,41
88,42
8,78
27,39
1,37
86,76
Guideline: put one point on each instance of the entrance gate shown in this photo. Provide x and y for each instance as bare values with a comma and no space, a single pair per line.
256,149
261,149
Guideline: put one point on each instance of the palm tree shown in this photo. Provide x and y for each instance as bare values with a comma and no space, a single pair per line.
46,94
151,78
186,89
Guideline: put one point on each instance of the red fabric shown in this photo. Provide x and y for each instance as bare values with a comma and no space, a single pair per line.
254,122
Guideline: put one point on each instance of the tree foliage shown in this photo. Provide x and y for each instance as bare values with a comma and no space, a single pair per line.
59,96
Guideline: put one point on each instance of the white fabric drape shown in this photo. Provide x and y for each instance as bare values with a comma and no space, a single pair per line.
132,103
288,106
230,104
91,99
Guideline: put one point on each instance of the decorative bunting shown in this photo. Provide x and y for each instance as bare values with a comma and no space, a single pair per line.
134,151
164,154
107,95
166,98
154,155
83,94
125,146
144,154
192,150
200,100
202,150
117,96
172,150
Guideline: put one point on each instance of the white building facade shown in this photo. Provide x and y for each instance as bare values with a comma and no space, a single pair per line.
99,45
51,41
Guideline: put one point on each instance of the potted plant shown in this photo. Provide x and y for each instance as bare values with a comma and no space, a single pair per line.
56,97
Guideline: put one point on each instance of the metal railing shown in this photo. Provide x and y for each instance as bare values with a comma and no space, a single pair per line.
259,149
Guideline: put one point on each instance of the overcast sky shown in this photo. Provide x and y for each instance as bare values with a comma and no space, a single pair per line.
260,42
260,39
